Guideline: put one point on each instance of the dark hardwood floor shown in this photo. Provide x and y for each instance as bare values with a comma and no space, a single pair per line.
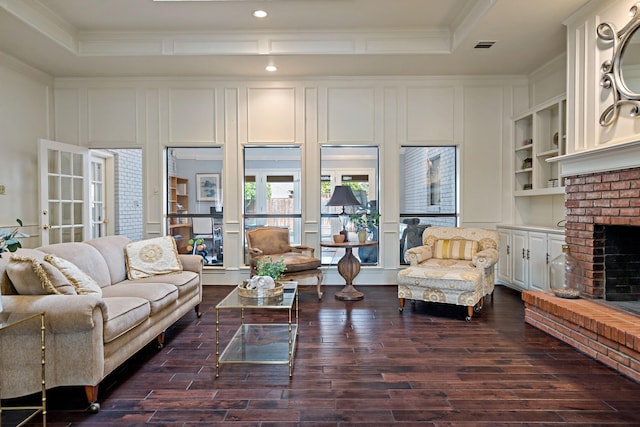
364,363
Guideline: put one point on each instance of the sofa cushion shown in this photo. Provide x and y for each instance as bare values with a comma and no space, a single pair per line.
85,257
124,314
455,249
159,295
30,274
81,281
185,281
112,249
151,257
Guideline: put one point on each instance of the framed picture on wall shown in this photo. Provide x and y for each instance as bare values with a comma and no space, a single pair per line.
208,187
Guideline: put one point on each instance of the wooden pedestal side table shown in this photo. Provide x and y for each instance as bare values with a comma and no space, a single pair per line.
349,268
11,322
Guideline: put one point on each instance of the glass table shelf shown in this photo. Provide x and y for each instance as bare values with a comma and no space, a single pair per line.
260,343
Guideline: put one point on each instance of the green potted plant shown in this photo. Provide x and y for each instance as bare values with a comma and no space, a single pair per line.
10,240
269,267
266,282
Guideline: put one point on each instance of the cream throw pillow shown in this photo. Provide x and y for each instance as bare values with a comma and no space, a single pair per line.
80,280
151,257
30,274
455,249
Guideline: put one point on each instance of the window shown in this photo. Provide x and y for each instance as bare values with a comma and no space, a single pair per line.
195,202
272,189
428,192
356,167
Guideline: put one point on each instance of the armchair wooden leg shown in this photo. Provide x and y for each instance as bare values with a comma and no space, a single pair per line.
469,313
198,312
400,304
320,278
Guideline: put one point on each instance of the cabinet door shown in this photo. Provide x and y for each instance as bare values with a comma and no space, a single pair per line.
505,261
537,257
519,257
554,248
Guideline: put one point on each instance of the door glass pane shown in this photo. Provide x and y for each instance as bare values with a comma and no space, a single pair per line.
77,188
65,163
66,214
78,165
428,192
77,213
356,168
53,161
54,187
54,213
54,236
66,191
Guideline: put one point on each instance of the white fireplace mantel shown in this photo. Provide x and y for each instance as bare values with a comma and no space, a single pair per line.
601,159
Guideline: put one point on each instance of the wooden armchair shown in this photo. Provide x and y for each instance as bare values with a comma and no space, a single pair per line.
274,242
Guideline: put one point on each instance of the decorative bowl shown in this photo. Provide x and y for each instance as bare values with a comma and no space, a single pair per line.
338,238
260,293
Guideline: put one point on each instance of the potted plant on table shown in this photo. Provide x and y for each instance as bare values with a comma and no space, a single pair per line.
365,222
266,282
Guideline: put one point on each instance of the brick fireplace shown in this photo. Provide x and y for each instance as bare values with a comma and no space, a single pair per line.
599,205
593,202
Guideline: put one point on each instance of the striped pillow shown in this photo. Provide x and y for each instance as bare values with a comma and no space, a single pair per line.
455,249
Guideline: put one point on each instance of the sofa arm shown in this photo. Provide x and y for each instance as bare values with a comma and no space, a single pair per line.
485,258
191,262
418,254
63,313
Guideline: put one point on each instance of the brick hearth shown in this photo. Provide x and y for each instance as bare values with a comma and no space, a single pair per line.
608,335
611,336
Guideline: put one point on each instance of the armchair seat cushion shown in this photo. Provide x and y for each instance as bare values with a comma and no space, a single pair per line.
294,261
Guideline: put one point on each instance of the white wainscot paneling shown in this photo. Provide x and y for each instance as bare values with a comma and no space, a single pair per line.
67,124
112,115
350,115
430,114
271,115
481,185
191,115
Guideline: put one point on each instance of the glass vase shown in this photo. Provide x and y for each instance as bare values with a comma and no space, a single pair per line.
565,275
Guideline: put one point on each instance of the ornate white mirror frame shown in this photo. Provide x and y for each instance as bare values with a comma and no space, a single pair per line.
613,73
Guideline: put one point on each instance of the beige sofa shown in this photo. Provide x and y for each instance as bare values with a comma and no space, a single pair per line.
88,336
454,265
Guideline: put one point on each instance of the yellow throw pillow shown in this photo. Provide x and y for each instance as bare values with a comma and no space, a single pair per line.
30,274
80,280
455,249
151,257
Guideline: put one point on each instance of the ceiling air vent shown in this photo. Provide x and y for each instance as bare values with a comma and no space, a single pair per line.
484,45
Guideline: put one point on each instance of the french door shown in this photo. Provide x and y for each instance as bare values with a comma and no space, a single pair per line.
64,191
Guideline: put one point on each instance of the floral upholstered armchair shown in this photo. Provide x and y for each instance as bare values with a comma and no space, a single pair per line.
454,265
273,242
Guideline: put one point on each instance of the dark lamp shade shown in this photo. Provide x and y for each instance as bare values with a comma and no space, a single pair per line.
343,196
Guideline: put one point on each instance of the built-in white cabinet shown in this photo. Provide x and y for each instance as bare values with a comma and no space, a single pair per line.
538,135
525,253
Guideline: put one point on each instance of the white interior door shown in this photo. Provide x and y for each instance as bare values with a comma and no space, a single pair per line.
64,192
101,194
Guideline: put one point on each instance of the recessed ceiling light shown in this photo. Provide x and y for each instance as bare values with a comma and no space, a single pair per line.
271,68
260,13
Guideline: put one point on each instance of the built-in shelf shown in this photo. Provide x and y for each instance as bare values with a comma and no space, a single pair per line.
539,135
539,192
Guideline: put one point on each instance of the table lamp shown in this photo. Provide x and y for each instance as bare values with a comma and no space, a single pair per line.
343,196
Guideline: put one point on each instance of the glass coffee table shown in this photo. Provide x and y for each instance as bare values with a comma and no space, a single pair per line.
260,343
